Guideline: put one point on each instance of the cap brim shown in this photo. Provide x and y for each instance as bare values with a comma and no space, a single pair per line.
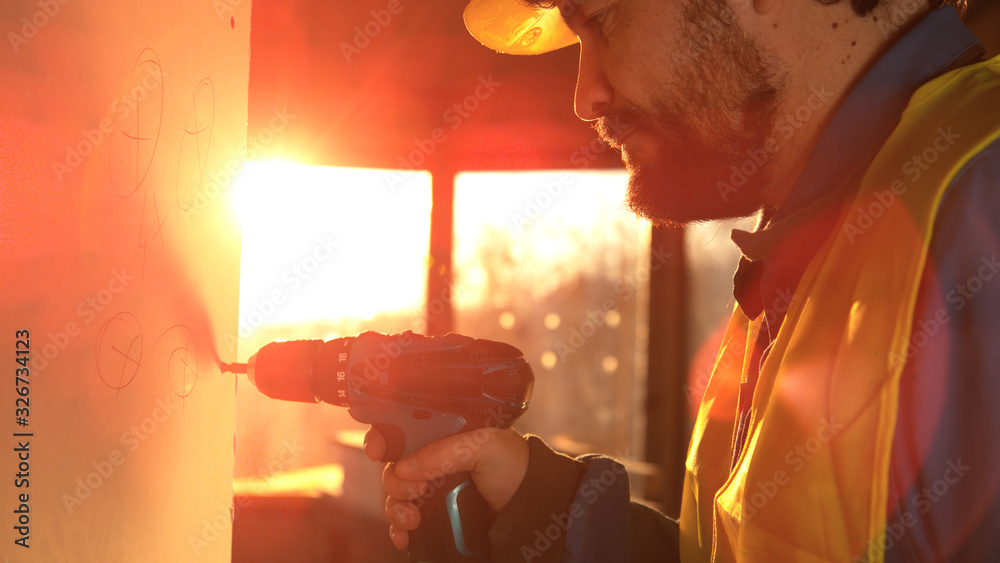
508,26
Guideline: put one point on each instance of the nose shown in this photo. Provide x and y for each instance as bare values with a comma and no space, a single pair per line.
593,90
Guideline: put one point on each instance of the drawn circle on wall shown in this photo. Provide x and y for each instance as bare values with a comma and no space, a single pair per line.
182,364
119,350
138,115
195,144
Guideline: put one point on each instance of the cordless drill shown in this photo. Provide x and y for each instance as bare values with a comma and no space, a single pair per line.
414,390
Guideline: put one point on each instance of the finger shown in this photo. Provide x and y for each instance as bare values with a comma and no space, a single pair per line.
374,445
400,488
401,514
400,538
453,454
497,459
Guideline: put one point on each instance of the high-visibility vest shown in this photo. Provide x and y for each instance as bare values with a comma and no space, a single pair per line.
811,481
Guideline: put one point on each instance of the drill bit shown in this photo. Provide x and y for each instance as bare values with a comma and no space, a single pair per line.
235,367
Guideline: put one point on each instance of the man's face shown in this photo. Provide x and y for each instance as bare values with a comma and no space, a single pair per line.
688,99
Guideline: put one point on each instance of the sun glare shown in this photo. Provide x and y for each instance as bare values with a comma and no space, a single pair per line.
326,243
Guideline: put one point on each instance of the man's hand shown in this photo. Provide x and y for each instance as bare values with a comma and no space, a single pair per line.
496,458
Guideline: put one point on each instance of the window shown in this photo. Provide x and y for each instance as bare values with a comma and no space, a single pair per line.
550,262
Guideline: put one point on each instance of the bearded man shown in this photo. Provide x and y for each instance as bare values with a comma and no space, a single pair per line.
860,423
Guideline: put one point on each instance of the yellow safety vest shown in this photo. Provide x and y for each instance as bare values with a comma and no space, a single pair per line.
811,482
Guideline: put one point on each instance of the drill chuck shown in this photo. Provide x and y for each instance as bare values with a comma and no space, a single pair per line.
307,371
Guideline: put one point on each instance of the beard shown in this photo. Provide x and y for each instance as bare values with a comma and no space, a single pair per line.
702,150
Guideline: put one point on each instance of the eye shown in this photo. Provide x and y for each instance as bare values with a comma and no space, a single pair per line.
592,15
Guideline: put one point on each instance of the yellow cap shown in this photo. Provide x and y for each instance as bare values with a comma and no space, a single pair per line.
511,27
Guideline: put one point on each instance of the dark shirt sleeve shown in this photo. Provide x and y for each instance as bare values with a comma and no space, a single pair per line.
520,532
579,510
944,479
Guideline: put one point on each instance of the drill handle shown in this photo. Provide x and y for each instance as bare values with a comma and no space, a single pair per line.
454,518
406,428
454,523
